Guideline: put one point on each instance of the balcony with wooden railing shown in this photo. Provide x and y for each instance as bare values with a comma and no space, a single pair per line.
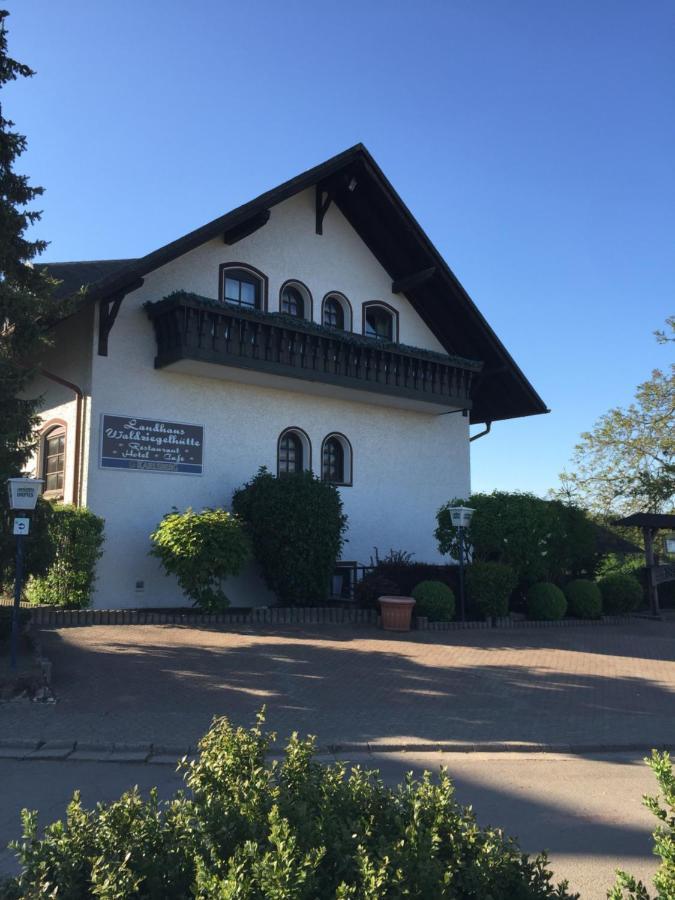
199,336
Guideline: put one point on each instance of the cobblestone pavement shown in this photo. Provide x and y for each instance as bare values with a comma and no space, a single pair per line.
599,686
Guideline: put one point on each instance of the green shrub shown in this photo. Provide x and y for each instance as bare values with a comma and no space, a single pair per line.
546,601
540,539
629,888
620,593
6,621
201,549
76,538
296,525
434,600
372,586
38,548
489,586
584,599
292,828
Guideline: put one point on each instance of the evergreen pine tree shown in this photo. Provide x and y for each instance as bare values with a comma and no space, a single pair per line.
27,309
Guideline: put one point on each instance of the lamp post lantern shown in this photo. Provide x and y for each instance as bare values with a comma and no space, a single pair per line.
460,517
23,497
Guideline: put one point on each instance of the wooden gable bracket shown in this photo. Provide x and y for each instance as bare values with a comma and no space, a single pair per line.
248,226
402,285
108,308
324,198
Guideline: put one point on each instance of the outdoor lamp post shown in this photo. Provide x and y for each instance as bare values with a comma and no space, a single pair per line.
23,497
461,519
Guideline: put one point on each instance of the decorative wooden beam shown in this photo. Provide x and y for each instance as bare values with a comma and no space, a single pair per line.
237,232
324,198
402,285
108,309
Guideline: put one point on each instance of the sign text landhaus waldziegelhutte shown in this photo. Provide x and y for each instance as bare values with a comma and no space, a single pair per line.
128,442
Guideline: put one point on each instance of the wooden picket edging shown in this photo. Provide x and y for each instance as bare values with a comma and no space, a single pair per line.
44,616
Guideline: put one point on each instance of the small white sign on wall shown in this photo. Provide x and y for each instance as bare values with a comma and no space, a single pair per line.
21,525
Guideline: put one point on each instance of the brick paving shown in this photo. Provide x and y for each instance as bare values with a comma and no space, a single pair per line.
162,684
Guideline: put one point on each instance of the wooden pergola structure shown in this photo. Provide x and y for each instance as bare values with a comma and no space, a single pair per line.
651,523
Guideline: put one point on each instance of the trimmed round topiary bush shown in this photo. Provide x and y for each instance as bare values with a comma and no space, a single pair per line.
434,600
620,593
489,586
584,599
546,602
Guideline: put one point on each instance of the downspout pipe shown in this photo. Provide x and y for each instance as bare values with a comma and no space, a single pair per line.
79,404
488,426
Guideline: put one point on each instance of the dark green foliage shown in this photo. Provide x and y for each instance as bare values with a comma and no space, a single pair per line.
38,549
584,599
434,600
546,602
296,525
489,586
26,308
372,586
201,549
620,593
629,888
6,621
75,537
539,539
291,829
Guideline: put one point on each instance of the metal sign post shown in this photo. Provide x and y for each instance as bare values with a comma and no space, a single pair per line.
23,496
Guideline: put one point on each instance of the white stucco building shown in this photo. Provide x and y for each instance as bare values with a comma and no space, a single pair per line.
315,326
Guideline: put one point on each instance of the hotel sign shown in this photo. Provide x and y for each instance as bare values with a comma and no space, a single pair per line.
150,445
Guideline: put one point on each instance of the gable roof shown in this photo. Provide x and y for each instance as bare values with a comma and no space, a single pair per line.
402,248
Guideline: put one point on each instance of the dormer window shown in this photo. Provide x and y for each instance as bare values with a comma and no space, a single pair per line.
380,322
242,286
337,312
295,300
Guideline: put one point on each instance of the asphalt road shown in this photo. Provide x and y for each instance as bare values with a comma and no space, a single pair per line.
585,811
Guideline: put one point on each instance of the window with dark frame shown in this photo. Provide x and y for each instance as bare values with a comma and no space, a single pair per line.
292,302
290,453
379,324
333,462
343,581
241,287
53,464
333,314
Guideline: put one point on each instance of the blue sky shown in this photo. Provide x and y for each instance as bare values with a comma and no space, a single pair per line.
533,140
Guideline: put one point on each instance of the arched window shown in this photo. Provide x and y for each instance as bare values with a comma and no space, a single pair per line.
380,322
295,300
337,312
243,286
292,303
54,459
293,451
336,459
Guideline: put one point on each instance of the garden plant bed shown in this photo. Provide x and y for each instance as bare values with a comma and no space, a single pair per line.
31,679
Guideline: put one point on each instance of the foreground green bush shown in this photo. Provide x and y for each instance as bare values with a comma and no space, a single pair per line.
297,526
584,599
620,593
434,600
201,549
292,830
546,602
75,537
629,888
489,586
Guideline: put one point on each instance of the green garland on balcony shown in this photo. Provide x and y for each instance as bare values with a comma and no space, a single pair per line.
304,325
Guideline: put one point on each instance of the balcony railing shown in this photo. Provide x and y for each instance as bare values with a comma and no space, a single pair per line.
188,327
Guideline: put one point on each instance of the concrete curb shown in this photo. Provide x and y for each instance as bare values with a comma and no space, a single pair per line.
73,751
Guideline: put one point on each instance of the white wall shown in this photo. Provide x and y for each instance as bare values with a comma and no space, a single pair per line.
406,464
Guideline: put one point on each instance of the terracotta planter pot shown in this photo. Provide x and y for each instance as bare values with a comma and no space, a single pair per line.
396,613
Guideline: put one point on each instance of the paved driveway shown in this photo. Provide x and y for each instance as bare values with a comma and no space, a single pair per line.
587,686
